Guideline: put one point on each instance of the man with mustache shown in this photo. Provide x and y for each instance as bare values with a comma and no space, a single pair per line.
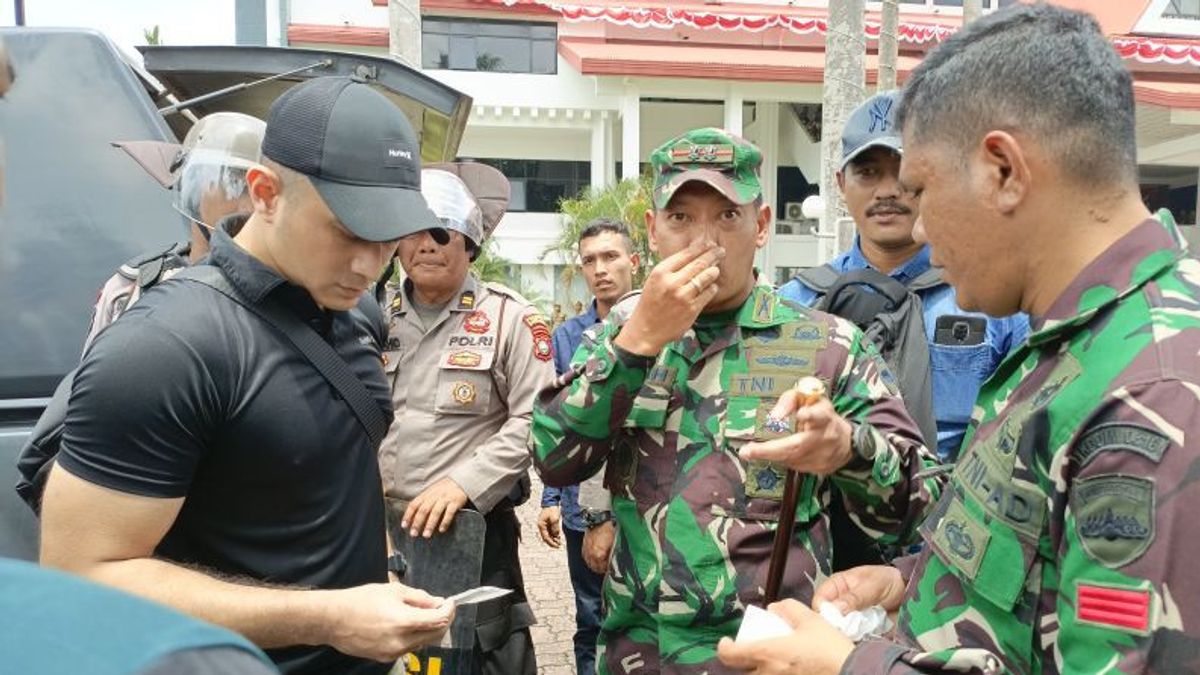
884,215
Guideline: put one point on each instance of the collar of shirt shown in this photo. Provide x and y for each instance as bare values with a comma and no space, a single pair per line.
255,281
468,297
1132,261
855,260
760,310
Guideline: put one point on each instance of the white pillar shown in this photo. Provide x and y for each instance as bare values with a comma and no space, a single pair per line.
733,112
631,137
766,116
599,151
610,148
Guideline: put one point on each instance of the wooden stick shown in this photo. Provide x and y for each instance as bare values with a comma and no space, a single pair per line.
811,390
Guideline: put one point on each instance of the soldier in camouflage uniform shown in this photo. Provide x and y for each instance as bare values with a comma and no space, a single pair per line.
1064,542
680,379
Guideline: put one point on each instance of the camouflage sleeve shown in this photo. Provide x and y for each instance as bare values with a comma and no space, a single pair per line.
577,419
1128,599
1118,582
889,496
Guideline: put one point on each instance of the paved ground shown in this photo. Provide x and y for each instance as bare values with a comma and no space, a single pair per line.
549,590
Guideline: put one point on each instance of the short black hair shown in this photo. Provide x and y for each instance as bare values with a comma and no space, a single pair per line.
598,226
1041,70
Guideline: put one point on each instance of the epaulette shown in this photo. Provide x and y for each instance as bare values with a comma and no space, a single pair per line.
130,268
501,289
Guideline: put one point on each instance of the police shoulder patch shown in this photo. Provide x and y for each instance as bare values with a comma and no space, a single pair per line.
539,328
1114,517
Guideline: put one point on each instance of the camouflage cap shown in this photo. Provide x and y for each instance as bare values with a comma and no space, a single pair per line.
715,157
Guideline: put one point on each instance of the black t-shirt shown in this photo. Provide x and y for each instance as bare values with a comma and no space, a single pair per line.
190,395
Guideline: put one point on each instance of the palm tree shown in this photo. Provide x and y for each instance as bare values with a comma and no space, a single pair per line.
626,201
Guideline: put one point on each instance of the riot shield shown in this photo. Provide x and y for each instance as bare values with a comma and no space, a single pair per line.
444,565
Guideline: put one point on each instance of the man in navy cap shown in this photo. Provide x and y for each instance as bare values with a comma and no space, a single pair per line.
206,462
884,215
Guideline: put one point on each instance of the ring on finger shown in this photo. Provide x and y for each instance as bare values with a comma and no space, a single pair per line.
696,285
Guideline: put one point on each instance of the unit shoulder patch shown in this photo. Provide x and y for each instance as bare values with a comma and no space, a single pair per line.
1116,437
1114,517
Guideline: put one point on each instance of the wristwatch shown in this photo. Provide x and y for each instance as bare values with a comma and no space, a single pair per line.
397,565
592,518
863,441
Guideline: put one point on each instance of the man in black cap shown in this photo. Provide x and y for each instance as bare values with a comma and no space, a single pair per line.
206,462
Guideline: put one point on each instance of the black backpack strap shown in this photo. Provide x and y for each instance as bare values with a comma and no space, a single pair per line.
319,352
930,278
820,278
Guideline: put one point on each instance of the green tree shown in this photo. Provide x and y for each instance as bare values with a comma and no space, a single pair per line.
626,201
493,267
152,36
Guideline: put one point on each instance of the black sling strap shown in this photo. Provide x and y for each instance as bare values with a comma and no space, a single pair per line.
319,352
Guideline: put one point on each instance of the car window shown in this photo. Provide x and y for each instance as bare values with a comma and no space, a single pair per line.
75,207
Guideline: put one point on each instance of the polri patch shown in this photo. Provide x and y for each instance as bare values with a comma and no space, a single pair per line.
463,393
477,322
1124,609
540,330
464,358
1118,437
1114,517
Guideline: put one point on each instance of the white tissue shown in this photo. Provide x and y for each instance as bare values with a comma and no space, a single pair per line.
759,624
856,625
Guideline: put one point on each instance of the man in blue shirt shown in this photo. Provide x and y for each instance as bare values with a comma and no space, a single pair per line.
608,262
884,215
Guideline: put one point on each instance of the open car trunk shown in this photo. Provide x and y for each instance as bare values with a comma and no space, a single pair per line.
437,112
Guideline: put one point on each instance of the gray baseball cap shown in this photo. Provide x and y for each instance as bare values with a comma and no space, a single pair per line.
871,125
360,152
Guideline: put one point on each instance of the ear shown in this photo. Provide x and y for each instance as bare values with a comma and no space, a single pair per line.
1005,171
841,181
651,233
265,189
635,262
762,226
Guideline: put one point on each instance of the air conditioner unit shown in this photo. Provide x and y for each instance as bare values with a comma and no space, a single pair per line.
793,211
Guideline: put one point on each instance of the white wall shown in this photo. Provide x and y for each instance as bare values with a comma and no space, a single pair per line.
342,13
523,237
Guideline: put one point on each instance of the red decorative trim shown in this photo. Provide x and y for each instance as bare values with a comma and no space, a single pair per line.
1149,50
1114,607
363,36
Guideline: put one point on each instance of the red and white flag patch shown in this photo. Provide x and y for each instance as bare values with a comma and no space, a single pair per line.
1120,608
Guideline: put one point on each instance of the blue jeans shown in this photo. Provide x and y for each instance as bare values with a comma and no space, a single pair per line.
587,585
